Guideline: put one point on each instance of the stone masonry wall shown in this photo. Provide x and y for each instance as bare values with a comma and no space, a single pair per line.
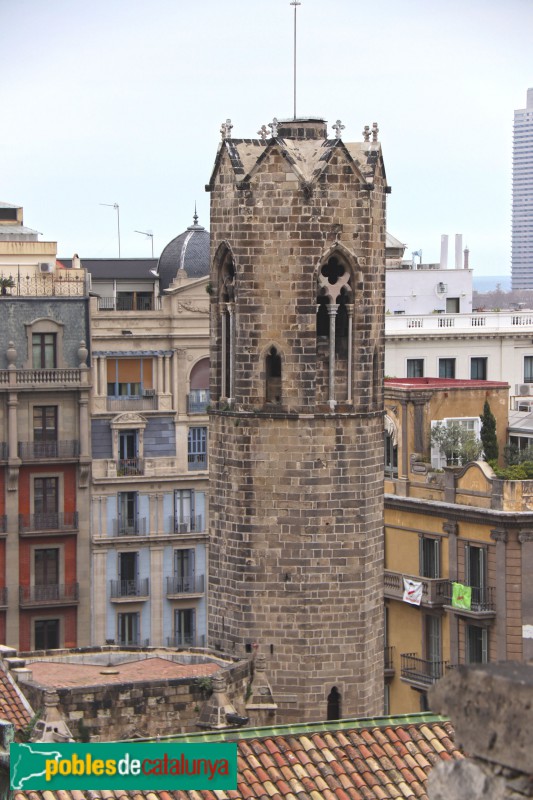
296,489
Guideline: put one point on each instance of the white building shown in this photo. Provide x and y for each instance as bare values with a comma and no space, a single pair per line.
522,243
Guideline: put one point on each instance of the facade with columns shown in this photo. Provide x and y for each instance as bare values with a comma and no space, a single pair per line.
45,387
149,403
296,421
458,544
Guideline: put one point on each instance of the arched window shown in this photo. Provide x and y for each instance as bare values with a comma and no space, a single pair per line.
273,377
199,387
334,704
226,308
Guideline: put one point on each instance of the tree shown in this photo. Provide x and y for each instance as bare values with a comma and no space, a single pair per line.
488,433
458,444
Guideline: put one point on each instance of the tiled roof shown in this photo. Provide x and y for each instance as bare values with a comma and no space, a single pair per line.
347,760
13,706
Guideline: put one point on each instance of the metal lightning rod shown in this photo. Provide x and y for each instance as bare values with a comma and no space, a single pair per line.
117,209
295,3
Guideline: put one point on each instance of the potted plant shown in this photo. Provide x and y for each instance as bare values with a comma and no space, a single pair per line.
5,284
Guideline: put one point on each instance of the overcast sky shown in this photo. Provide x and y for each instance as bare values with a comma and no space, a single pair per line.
121,101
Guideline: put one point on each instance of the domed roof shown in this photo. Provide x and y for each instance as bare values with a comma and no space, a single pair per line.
189,251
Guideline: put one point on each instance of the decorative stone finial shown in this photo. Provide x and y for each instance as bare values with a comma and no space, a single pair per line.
274,127
82,354
366,133
338,127
11,354
375,131
225,129
263,133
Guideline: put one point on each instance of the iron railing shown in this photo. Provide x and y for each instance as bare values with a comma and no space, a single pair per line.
50,594
189,585
421,671
139,402
134,588
197,461
51,521
3,451
389,658
434,590
187,524
130,527
49,449
130,466
197,401
129,304
483,599
3,523
56,283
180,640
3,596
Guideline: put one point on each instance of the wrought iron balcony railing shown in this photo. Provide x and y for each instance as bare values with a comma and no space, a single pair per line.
420,671
197,401
389,660
140,402
197,461
50,521
129,589
187,524
130,527
3,523
190,585
3,451
50,594
30,451
3,596
483,599
130,466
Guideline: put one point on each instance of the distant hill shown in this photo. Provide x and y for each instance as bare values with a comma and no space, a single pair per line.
489,283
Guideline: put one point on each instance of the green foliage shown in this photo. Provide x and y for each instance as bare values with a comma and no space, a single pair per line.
516,472
488,433
458,444
25,733
205,684
513,455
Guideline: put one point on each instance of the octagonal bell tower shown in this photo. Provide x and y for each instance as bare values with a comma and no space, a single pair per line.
296,430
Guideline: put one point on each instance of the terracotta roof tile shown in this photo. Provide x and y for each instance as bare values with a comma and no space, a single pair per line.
348,760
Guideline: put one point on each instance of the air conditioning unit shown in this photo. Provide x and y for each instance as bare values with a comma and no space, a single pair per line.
524,389
46,266
148,392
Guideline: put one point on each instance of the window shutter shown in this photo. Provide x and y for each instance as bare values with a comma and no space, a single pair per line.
484,646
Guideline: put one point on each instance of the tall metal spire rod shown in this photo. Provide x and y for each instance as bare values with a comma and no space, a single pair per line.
295,3
117,209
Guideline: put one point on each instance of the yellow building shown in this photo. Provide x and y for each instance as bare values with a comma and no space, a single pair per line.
458,542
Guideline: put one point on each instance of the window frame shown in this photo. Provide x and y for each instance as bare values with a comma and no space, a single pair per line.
447,361
419,369
477,360
197,444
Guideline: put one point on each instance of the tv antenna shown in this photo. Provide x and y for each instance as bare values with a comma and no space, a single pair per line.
117,209
295,3
150,234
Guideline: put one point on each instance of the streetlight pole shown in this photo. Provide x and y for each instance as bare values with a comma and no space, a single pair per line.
295,3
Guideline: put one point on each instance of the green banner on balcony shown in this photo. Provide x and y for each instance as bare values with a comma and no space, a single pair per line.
461,596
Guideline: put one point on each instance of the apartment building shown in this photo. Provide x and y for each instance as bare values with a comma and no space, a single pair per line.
45,384
150,392
458,543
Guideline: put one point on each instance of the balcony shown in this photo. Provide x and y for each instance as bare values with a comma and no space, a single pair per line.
47,451
197,461
419,672
3,523
3,596
126,467
138,402
187,524
3,451
51,521
130,590
197,401
28,378
389,661
186,641
134,641
178,586
483,602
50,595
129,303
130,527
488,322
433,589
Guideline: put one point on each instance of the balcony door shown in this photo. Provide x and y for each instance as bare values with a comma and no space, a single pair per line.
434,646
184,570
46,573
128,573
185,627
46,634
476,573
45,431
45,502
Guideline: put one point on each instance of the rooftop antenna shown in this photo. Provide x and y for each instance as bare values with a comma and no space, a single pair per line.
295,3
117,209
151,235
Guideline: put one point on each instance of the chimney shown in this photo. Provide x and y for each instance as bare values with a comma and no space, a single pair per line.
444,251
467,258
458,250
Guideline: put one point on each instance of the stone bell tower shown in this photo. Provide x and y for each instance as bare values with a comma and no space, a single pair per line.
296,430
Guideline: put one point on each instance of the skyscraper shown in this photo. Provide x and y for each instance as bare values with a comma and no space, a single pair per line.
522,245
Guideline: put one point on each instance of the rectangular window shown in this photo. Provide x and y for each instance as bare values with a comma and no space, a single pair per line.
197,448
127,513
184,570
129,377
128,573
44,350
45,423
46,566
185,627
45,495
476,645
478,369
446,367
433,646
415,367
528,369
46,634
391,456
452,305
129,462
184,517
429,557
128,628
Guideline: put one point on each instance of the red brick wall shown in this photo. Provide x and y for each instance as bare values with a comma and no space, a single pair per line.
69,625
69,555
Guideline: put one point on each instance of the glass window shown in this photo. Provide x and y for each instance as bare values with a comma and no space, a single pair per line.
185,627
429,557
415,367
528,369
45,423
127,513
478,369
391,456
46,634
128,628
46,561
452,305
446,367
189,510
44,350
476,645
197,448
45,495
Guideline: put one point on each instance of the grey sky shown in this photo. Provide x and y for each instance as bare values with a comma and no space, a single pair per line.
121,101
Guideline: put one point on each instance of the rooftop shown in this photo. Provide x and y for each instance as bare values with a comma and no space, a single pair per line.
443,383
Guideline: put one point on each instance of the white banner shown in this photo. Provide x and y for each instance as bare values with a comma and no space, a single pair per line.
412,591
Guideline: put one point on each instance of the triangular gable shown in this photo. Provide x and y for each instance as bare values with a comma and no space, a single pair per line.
241,154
